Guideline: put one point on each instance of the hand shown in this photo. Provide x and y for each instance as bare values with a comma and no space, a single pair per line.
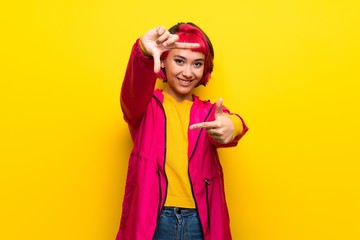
221,129
159,40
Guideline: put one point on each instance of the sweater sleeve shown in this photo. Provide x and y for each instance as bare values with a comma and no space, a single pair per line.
138,86
238,126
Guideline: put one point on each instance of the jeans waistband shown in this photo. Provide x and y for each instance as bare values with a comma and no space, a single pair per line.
179,210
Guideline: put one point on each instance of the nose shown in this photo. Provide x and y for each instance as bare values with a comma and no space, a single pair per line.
187,71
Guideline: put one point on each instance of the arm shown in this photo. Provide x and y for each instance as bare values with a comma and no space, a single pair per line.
143,65
138,85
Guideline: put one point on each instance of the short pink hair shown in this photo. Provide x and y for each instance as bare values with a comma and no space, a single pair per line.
189,32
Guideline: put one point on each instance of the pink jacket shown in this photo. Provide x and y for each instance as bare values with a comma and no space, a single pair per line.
146,183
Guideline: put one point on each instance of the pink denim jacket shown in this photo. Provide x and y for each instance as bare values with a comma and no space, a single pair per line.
146,183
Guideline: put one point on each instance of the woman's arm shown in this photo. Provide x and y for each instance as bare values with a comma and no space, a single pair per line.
138,85
143,65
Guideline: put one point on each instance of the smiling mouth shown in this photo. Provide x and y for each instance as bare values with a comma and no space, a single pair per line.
185,82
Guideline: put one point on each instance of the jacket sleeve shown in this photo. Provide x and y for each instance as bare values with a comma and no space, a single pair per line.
138,86
237,138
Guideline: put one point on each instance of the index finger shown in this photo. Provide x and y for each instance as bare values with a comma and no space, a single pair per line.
206,125
186,45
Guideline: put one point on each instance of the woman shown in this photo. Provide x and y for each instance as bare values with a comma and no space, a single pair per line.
174,187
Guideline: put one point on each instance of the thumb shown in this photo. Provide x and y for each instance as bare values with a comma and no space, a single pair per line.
219,108
157,62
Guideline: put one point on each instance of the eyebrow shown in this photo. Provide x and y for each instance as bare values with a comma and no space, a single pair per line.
182,57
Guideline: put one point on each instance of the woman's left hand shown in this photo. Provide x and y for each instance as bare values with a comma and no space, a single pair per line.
221,129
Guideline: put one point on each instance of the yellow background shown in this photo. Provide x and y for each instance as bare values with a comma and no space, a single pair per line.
289,67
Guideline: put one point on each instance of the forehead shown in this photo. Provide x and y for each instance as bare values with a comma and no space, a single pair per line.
186,53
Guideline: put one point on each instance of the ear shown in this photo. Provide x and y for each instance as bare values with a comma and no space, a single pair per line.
162,64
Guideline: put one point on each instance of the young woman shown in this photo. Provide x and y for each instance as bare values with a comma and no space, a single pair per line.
174,187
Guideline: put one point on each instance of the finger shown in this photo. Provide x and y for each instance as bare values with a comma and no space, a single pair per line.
186,45
157,62
207,125
163,38
196,126
219,108
213,132
160,30
171,40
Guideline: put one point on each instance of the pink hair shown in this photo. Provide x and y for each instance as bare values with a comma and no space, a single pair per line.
189,32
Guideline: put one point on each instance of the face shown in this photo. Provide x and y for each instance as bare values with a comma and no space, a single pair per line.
184,70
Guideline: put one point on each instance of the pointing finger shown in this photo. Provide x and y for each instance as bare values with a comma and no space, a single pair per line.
206,125
196,126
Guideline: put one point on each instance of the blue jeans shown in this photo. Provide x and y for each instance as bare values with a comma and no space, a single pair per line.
178,224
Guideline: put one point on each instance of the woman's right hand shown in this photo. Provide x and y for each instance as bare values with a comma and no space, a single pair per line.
159,40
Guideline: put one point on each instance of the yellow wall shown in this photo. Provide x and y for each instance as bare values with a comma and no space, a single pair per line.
290,67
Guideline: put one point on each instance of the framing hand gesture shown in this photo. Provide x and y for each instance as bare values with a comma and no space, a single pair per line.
221,129
159,40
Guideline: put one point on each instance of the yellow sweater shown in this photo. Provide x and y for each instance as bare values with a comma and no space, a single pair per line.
176,166
177,120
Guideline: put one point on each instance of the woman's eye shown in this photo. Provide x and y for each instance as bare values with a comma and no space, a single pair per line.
179,61
198,64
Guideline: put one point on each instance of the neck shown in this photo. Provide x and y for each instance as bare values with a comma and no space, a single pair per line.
178,96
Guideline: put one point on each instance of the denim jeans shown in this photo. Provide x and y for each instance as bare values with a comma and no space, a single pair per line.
178,224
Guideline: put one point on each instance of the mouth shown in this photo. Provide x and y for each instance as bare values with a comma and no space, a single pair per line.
185,82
